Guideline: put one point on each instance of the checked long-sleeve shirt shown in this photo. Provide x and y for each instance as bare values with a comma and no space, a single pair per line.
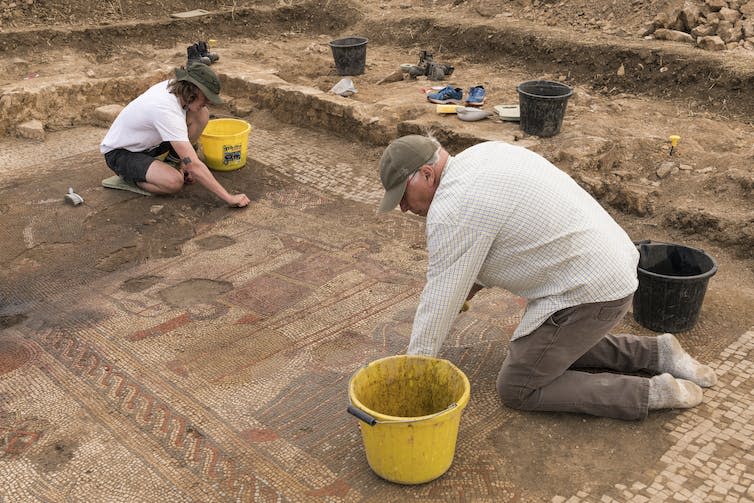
503,216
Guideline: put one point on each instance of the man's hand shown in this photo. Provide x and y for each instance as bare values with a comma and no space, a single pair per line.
238,201
474,289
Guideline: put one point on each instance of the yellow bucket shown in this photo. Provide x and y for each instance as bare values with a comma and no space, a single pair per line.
410,407
225,143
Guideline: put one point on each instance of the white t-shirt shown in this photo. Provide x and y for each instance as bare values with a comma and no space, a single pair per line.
505,217
152,118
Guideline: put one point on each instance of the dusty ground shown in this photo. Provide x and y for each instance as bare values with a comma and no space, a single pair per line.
311,176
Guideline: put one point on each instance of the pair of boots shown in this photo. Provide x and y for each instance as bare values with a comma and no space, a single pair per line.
428,67
200,52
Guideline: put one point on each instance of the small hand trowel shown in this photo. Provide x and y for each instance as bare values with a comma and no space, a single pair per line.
73,198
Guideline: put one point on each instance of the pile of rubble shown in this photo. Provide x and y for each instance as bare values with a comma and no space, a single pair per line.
12,10
714,25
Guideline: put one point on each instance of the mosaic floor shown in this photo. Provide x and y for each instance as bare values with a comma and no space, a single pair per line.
221,375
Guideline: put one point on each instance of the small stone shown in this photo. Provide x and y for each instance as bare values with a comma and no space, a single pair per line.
685,167
666,169
156,208
621,70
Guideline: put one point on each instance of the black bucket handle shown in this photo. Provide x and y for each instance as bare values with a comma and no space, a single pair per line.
650,242
361,415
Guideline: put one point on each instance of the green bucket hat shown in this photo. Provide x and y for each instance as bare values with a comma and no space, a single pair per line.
202,77
401,159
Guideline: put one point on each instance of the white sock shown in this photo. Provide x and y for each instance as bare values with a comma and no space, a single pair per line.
667,392
671,358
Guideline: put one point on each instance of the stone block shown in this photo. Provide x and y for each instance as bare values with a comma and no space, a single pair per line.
105,115
711,43
728,32
716,5
748,28
730,15
661,20
747,9
242,106
32,130
673,35
703,30
689,16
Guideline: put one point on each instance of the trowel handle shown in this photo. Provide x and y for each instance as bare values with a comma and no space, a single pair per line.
362,415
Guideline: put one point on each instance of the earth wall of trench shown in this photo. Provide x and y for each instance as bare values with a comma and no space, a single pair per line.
701,79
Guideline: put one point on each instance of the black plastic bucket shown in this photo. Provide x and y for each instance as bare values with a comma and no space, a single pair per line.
350,55
542,105
672,283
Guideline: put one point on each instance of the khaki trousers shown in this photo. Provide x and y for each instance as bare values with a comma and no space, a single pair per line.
538,372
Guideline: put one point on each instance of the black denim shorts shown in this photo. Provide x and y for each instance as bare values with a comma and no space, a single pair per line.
133,166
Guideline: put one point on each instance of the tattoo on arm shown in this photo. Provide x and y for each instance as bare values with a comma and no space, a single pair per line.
186,160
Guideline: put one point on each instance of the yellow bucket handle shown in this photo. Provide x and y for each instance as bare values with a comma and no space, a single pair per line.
371,421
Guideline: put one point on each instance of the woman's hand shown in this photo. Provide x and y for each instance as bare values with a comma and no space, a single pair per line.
238,200
187,178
